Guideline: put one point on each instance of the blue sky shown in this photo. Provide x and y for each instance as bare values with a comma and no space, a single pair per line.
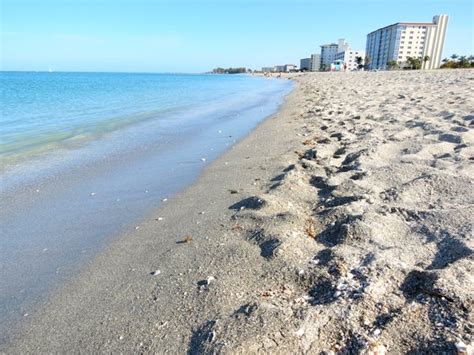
195,36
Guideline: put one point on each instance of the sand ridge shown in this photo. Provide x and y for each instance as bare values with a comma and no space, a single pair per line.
341,225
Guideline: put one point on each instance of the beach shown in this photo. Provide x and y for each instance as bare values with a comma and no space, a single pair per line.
342,223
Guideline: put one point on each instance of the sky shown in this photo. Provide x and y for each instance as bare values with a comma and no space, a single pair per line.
198,35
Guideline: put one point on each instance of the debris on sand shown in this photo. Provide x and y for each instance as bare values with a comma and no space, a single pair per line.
186,240
464,349
204,285
310,228
377,349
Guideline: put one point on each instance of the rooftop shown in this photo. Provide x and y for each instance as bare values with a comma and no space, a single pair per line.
430,24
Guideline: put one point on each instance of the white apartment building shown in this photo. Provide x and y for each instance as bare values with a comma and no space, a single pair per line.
401,40
348,57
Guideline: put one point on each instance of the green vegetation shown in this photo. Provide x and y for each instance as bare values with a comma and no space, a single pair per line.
367,62
359,61
413,63
229,70
458,62
392,64
454,62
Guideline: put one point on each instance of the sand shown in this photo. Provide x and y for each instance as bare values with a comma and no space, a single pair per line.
341,224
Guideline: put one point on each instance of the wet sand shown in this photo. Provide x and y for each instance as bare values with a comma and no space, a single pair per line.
342,223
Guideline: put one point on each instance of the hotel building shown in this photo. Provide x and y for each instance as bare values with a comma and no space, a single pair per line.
401,40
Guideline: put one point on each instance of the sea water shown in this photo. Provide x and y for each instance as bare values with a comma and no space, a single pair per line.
86,155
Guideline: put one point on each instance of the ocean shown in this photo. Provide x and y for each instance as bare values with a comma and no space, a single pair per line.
84,156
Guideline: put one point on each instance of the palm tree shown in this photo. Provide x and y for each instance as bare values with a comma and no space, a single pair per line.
454,57
464,62
359,61
415,63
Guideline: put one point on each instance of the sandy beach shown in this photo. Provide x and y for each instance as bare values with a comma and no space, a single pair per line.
342,224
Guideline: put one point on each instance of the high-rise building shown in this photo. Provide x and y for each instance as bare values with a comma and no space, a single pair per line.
328,53
401,40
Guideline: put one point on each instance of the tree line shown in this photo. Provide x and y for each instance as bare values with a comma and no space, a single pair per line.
240,70
457,61
415,63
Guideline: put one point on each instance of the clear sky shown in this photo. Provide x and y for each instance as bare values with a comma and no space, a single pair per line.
198,35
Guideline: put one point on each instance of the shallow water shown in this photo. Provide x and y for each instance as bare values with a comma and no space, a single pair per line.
82,167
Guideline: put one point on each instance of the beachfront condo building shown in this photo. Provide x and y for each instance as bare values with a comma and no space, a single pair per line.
329,52
280,68
305,64
401,40
311,64
315,62
349,58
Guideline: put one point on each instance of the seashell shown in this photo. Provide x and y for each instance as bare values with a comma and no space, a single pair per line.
299,332
377,349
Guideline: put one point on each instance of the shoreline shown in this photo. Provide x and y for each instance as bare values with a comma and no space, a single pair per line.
57,216
284,230
116,250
